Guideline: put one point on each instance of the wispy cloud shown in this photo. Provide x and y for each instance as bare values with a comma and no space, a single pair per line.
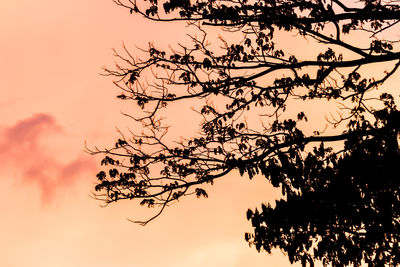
22,149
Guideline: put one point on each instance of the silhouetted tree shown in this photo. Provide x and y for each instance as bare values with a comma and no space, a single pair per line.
339,206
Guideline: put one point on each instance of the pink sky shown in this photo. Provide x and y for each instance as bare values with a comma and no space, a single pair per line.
52,99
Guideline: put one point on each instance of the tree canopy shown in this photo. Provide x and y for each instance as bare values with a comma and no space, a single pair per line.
340,187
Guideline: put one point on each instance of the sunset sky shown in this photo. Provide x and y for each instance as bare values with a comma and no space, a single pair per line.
53,100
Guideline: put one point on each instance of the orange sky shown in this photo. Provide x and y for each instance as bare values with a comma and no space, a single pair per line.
52,99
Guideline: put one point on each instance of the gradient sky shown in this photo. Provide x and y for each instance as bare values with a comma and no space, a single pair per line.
52,100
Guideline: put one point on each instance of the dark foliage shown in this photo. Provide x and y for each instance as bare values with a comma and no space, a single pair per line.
340,192
347,207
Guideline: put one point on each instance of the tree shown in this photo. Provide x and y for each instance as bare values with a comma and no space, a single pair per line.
340,205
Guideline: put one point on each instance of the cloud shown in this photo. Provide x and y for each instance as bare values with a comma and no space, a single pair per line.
22,150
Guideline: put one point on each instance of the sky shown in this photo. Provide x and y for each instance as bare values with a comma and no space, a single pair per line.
53,100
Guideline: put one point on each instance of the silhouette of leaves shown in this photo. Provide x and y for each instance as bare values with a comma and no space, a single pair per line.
340,192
